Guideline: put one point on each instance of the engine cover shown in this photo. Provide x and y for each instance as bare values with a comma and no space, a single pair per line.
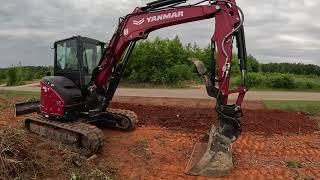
60,98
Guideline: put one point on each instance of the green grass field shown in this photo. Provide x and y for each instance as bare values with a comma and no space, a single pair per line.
10,98
305,83
309,107
23,94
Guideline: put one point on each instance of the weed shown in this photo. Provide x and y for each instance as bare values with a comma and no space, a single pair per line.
294,164
309,107
295,167
24,157
141,148
75,176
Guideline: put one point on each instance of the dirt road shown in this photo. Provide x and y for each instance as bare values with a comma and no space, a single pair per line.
199,93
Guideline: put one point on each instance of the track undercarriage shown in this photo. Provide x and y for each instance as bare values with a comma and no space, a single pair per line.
82,135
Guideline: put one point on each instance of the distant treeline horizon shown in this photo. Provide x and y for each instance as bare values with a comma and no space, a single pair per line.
166,61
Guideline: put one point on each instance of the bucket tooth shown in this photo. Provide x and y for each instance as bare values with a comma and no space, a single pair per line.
212,158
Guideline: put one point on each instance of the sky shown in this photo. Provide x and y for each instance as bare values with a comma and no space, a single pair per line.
276,30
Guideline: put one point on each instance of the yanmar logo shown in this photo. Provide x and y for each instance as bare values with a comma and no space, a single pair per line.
159,17
138,22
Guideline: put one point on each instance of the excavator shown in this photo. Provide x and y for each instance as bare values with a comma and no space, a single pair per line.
74,102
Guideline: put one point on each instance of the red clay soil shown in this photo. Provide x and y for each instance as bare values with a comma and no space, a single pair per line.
155,153
161,145
200,119
182,102
7,112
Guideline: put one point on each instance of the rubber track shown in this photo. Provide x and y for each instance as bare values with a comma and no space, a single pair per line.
128,114
92,136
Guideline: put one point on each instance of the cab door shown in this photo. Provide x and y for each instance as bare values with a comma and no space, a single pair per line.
90,59
67,61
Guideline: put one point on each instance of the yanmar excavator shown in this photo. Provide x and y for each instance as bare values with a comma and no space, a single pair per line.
74,102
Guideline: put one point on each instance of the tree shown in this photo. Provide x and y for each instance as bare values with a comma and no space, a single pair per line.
292,68
253,64
155,60
12,77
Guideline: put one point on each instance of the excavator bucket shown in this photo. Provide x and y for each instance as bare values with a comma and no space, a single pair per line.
211,157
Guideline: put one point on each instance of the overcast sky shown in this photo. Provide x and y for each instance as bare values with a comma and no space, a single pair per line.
276,30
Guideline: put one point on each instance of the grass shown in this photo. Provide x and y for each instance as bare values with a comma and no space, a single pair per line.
309,107
281,90
305,83
25,94
141,148
293,164
302,83
2,81
180,85
295,169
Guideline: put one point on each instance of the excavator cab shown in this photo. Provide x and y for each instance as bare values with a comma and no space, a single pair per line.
76,57
74,61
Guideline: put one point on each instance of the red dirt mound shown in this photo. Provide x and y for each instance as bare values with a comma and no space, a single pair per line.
200,119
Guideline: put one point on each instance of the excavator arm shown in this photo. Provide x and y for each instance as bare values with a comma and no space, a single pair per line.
144,20
228,26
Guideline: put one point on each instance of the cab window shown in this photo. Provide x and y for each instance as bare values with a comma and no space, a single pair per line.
91,57
67,56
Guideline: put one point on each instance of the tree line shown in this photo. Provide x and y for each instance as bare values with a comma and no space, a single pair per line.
167,61
17,75
292,68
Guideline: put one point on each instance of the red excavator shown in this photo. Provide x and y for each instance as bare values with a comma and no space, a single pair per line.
74,102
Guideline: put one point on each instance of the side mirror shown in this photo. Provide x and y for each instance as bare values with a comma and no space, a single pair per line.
48,73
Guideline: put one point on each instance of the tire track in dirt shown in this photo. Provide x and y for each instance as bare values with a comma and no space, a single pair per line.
262,151
277,151
166,154
169,152
282,146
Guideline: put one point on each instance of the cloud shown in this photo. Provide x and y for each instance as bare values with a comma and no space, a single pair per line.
276,30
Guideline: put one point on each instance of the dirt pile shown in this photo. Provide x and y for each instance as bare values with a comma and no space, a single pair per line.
25,157
200,119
